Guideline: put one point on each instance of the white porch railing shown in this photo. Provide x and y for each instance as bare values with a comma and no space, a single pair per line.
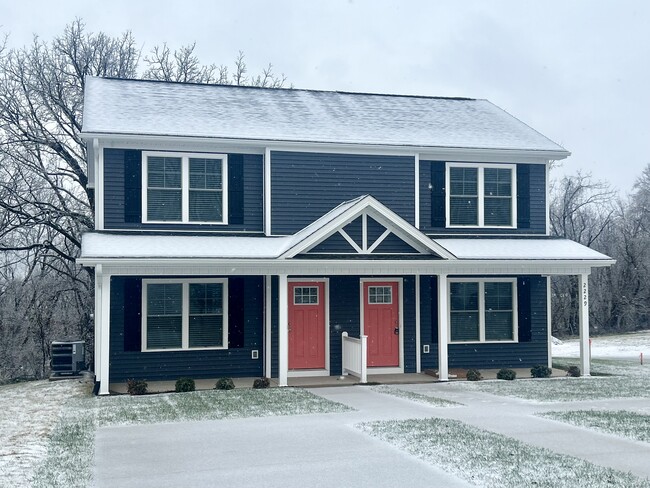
355,356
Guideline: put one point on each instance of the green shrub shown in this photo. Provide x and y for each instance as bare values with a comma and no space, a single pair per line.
473,375
261,383
136,387
225,384
506,374
573,371
541,371
185,384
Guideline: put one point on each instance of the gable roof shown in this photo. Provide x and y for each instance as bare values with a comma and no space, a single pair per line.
151,108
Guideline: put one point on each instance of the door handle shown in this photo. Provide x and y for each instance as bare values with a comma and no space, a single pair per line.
396,331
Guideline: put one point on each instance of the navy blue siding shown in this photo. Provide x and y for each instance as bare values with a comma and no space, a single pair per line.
336,243
394,245
123,187
531,201
344,315
305,186
127,363
531,349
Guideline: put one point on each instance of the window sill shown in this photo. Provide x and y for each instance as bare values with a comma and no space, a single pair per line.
509,341
189,349
178,222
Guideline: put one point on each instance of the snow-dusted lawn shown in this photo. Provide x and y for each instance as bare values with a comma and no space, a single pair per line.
47,430
28,414
618,422
488,459
622,346
415,397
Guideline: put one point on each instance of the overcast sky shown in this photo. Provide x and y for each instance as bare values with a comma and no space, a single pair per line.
577,71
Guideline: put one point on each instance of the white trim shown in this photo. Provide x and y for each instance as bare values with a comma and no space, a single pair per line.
267,191
379,240
185,282
481,194
268,300
418,351
185,186
98,323
364,231
443,328
354,245
481,312
99,185
583,323
417,190
105,328
547,196
549,322
138,141
283,330
307,373
326,298
399,282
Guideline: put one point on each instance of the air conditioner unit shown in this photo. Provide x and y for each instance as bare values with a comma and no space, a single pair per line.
68,357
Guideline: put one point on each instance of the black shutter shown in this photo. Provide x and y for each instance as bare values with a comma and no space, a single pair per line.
523,196
236,189
132,186
132,314
434,309
236,319
523,306
438,214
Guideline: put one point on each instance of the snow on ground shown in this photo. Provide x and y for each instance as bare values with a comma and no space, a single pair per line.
28,413
622,346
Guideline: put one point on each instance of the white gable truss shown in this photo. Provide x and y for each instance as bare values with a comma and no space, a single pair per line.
364,213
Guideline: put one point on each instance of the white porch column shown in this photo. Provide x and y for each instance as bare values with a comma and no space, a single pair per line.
97,319
104,331
283,330
418,347
583,318
267,326
443,335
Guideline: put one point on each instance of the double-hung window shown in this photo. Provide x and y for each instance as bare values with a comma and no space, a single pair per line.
184,188
483,310
185,314
481,195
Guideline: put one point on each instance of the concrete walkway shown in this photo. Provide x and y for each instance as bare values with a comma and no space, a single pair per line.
326,450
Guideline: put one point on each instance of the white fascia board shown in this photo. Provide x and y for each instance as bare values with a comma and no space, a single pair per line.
258,145
325,267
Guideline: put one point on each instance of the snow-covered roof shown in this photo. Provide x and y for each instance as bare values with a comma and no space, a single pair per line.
521,248
150,108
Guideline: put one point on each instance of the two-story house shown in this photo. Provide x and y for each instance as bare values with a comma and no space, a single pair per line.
242,231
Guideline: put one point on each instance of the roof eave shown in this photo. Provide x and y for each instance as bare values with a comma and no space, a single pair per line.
444,152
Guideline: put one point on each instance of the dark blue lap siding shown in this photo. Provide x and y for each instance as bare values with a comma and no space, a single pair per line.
305,186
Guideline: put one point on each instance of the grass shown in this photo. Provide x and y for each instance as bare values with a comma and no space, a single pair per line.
70,453
489,459
618,422
617,379
415,397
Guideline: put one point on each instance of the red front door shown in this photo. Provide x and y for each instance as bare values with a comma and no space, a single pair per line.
306,325
381,322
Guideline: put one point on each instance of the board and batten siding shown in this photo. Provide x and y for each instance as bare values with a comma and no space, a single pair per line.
123,194
532,322
305,186
531,201
245,334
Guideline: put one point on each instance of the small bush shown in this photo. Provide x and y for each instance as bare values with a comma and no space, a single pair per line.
541,371
473,375
261,383
573,371
225,384
136,387
185,384
506,374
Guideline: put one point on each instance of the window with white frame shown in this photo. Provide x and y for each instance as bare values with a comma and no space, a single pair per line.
184,188
483,310
185,314
481,195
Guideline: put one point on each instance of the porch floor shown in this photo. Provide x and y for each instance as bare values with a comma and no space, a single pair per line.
323,381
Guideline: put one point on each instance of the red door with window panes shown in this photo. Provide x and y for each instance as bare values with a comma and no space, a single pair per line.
381,322
306,325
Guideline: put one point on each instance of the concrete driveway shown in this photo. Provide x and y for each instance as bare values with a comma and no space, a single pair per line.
325,450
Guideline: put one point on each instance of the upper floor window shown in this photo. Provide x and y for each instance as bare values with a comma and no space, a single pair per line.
481,195
184,188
